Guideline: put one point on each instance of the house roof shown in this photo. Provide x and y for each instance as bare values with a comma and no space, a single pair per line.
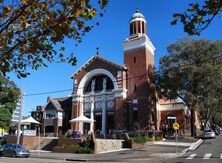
55,103
93,58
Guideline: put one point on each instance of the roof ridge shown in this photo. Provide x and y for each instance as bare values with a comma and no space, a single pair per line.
100,57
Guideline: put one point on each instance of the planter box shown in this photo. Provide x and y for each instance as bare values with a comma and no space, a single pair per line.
59,149
140,145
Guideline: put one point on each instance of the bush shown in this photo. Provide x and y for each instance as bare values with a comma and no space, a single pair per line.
77,148
140,139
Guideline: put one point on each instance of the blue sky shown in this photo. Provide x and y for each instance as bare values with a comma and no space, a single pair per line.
109,36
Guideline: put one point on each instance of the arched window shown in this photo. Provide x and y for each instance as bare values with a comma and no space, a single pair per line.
134,27
131,28
98,82
139,31
143,27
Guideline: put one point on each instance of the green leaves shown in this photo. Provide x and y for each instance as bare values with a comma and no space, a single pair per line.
31,30
198,17
9,94
192,71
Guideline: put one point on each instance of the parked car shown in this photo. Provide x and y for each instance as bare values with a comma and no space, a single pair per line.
1,151
208,134
15,150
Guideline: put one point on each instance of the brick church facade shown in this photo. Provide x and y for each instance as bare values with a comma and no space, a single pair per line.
115,96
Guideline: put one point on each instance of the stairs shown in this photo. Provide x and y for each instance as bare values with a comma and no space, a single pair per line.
47,144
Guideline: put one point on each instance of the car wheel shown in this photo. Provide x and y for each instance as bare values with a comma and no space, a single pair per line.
13,155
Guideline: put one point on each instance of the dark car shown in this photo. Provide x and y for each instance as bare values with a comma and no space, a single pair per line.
1,151
15,150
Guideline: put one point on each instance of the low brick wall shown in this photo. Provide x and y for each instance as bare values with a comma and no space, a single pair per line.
30,142
58,149
141,145
68,141
103,145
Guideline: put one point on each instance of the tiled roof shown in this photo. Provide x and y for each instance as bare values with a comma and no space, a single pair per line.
100,58
55,103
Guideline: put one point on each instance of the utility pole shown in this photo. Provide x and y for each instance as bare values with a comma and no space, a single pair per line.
20,116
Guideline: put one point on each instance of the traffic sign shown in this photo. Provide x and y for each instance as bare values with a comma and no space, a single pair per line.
176,126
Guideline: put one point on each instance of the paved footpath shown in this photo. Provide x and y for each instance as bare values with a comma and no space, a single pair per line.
163,149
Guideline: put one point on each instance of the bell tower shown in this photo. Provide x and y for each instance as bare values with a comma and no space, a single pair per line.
139,60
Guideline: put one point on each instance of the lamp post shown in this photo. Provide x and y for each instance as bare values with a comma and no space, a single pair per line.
20,117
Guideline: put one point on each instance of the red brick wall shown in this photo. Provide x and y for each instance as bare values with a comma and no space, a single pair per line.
179,114
29,142
98,64
75,113
119,113
138,76
136,71
68,141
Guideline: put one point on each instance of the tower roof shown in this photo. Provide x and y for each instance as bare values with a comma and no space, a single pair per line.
136,16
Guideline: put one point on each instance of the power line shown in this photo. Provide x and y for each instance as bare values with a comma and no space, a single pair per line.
66,90
43,93
138,76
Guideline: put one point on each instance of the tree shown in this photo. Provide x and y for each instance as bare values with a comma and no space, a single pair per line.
193,72
31,31
9,94
199,16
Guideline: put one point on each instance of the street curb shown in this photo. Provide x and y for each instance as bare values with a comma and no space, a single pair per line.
195,145
46,157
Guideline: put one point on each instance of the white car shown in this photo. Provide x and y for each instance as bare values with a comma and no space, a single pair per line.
209,134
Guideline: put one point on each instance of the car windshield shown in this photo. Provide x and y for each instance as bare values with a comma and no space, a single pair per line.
18,146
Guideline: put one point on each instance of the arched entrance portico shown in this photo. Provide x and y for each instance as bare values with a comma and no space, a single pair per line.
96,94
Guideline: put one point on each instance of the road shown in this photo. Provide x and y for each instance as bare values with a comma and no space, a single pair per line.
29,160
210,151
142,155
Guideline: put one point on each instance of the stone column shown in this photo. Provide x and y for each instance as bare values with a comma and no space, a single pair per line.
81,113
92,116
104,128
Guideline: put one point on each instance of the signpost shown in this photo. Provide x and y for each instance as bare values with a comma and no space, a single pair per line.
176,127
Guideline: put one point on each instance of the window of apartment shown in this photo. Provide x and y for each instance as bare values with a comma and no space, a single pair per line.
50,115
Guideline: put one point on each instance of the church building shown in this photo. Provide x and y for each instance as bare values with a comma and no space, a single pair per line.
114,96
117,96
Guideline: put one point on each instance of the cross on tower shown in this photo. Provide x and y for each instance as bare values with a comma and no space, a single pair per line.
97,50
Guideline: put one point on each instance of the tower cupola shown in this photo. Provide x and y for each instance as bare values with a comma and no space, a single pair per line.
137,24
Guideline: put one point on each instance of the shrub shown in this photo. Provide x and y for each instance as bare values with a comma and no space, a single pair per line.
140,139
78,148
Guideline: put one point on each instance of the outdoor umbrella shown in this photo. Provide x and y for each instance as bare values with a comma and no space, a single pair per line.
29,120
82,118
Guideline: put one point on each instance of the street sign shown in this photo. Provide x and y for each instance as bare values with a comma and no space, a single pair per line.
176,126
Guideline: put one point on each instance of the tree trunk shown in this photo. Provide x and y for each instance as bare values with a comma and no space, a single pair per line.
192,123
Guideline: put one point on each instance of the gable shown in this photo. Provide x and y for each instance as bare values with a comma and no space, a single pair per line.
98,62
53,105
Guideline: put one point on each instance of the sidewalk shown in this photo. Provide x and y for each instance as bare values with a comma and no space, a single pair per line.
163,149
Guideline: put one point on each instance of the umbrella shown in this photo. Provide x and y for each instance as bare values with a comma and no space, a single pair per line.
82,118
29,120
